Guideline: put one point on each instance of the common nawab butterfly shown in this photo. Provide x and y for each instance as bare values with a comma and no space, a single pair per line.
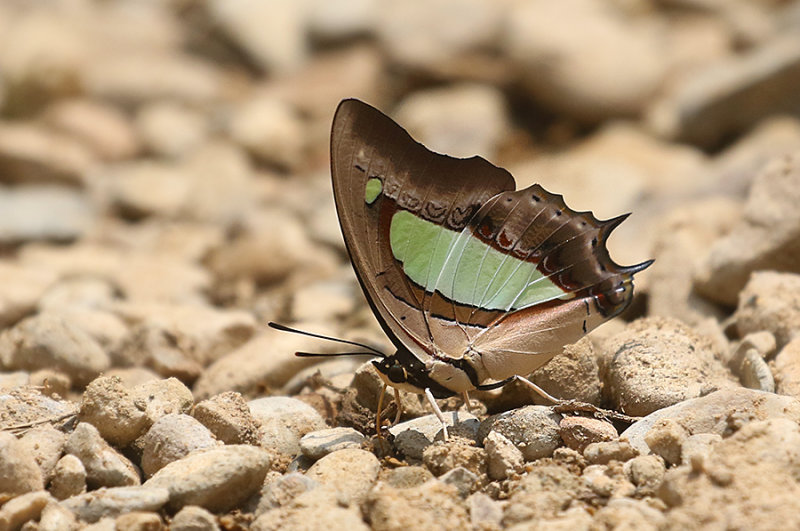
475,283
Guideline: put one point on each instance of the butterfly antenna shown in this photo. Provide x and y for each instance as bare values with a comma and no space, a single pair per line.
284,328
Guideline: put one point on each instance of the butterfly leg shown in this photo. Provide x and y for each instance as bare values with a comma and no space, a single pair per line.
467,403
437,411
572,406
379,411
399,405
538,390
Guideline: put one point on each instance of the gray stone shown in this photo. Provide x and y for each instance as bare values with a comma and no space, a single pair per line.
50,341
284,421
170,438
43,213
413,436
19,472
352,472
317,444
217,479
110,503
720,412
532,429
105,467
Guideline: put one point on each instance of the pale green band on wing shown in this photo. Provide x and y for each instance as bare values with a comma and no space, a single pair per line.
465,269
373,190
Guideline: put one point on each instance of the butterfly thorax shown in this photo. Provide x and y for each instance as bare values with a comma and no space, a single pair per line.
444,375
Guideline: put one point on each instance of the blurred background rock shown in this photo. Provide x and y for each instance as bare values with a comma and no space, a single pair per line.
164,181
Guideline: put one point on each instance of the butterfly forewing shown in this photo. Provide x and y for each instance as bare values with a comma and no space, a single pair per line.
400,207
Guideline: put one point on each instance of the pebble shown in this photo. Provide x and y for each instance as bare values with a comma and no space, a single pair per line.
175,76
602,453
136,275
112,502
322,301
351,471
110,407
542,493
69,478
730,475
405,477
19,472
687,230
284,421
22,290
646,472
532,429
100,126
665,439
504,458
407,31
787,369
217,479
625,513
158,398
460,120
484,512
657,362
460,452
413,436
281,491
770,302
573,374
579,432
138,520
266,360
170,438
318,444
272,36
318,505
49,341
709,104
765,238
269,129
719,412
23,509
55,517
169,129
608,65
432,505
696,449
105,467
51,212
25,405
46,444
735,168
193,518
33,154
462,479
228,417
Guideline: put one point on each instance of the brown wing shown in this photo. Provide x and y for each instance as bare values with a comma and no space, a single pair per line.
366,145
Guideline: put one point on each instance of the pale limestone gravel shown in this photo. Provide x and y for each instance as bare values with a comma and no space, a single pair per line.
318,444
413,436
217,479
110,503
19,472
105,466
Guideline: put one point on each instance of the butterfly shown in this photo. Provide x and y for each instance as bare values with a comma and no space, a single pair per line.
474,282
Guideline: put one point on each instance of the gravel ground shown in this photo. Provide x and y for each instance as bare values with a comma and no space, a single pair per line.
164,193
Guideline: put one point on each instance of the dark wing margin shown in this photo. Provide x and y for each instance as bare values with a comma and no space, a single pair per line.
366,144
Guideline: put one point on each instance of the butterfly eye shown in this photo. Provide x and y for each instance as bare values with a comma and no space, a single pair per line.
397,374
